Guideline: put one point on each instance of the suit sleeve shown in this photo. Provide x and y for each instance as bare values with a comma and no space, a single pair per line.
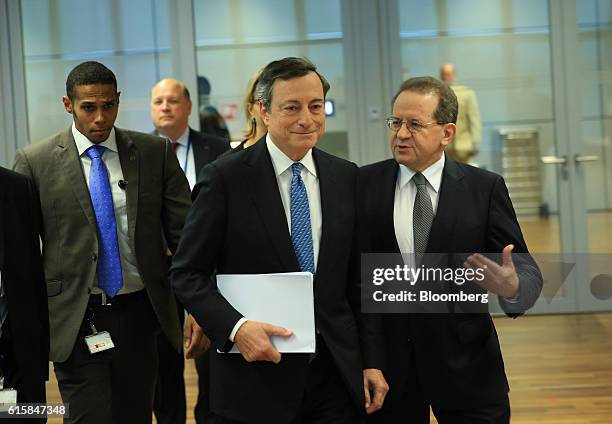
22,165
193,265
474,119
369,325
38,281
504,229
176,198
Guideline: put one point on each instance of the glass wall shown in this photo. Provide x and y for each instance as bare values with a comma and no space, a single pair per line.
594,23
235,38
130,37
502,50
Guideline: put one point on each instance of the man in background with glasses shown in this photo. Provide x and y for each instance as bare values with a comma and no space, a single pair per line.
422,202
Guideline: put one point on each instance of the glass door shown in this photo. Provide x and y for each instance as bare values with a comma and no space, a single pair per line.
520,60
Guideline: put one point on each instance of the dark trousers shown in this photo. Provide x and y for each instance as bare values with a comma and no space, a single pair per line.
326,398
170,405
27,391
203,414
117,385
406,403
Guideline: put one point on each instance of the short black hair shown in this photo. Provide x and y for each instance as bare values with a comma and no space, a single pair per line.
284,69
88,73
447,109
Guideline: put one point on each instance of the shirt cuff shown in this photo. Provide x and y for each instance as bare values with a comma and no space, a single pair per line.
515,299
236,328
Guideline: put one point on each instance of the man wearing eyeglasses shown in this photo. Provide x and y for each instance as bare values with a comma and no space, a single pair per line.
419,203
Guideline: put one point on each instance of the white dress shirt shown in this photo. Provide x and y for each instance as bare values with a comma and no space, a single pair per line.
184,154
284,173
131,277
403,205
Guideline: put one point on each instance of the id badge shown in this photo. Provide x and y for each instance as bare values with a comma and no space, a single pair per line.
8,396
99,342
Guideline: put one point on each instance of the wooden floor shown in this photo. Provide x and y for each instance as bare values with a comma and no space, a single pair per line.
559,367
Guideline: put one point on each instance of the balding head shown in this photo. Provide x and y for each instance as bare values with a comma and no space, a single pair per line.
170,107
447,73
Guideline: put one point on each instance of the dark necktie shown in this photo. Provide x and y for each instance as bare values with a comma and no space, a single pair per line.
301,233
110,276
422,216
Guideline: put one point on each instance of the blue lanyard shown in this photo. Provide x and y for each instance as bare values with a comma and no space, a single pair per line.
187,156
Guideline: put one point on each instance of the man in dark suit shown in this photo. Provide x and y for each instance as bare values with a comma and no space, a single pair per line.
421,202
284,206
170,110
111,201
24,321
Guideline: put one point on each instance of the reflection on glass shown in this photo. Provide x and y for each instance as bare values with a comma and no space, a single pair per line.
131,38
234,39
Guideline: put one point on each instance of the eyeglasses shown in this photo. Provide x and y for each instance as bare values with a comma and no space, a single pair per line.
414,126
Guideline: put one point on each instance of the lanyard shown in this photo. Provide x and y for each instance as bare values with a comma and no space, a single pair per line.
186,162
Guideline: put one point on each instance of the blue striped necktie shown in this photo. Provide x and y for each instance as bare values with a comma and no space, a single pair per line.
110,276
301,233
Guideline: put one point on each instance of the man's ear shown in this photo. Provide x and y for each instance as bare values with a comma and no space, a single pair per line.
449,134
118,94
67,104
265,114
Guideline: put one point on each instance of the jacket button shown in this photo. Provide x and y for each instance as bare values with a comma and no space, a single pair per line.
94,257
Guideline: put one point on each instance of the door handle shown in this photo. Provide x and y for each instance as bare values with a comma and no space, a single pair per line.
585,158
554,160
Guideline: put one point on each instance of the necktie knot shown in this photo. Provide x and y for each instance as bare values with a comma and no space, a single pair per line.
419,179
95,152
297,169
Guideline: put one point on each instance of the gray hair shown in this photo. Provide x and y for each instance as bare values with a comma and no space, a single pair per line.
284,69
447,109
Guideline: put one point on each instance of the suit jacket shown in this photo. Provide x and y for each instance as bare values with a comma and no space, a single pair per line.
24,283
238,208
157,203
206,148
469,127
458,358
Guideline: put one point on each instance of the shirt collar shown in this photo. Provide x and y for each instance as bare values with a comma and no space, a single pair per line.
83,142
433,174
281,162
183,140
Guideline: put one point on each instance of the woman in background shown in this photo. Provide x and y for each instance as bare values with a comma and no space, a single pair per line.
256,129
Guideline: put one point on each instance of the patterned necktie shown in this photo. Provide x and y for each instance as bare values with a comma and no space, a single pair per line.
110,276
301,233
422,216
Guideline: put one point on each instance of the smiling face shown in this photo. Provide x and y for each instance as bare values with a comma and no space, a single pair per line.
94,110
296,116
420,150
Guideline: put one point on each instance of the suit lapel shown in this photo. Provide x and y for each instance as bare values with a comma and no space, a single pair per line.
201,152
3,205
385,205
451,194
266,196
330,206
129,159
67,157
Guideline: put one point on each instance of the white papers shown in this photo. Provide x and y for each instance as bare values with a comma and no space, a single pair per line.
286,300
